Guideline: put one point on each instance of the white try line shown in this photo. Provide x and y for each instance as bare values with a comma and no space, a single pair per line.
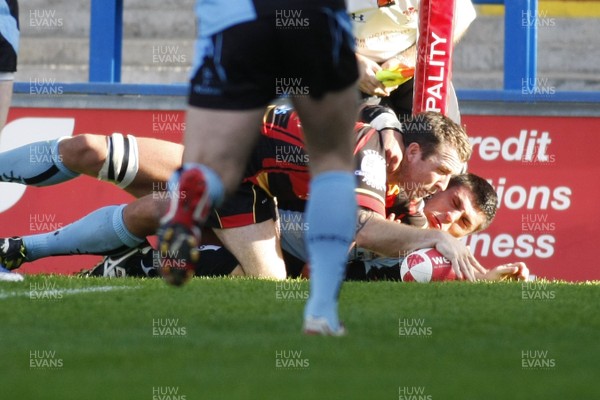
54,291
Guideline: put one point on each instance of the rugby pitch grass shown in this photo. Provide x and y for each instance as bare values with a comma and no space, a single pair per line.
92,338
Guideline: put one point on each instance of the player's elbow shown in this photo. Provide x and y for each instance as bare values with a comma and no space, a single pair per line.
361,239
365,237
364,230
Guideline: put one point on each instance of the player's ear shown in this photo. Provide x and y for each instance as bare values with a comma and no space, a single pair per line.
413,151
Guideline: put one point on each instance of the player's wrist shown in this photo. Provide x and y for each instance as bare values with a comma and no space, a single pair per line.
427,238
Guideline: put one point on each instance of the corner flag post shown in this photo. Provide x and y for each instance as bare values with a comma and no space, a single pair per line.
434,56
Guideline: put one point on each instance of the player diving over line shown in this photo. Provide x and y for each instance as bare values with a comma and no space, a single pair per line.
467,206
125,227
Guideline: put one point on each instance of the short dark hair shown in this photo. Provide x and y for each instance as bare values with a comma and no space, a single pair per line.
431,129
484,195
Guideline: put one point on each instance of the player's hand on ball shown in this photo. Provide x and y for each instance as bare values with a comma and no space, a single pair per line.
463,262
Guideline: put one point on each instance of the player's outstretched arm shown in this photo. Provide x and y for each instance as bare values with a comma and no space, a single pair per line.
389,238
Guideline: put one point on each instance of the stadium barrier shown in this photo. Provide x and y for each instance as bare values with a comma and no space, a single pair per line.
537,147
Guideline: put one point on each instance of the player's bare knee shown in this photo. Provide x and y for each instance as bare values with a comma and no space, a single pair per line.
266,267
83,153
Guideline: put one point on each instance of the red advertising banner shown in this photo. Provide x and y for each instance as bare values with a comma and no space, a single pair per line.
544,169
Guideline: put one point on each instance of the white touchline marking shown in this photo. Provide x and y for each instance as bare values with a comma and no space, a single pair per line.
69,291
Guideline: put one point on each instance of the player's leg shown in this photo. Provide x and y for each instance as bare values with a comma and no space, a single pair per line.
247,228
213,164
157,161
84,154
35,164
246,224
231,86
328,115
222,140
112,230
331,209
55,161
140,218
101,232
254,238
258,248
138,165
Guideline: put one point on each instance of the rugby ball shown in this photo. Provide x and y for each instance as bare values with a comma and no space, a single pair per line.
426,265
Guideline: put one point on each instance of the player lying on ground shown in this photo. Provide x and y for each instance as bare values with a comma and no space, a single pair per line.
467,206
423,169
409,171
402,168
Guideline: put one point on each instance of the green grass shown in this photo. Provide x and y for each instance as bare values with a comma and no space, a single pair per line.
470,346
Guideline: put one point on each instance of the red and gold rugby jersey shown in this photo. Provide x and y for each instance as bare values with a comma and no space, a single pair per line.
279,163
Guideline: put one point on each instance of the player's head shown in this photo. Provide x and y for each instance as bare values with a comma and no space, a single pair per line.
435,148
468,205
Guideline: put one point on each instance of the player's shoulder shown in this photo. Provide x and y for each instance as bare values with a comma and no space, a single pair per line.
367,138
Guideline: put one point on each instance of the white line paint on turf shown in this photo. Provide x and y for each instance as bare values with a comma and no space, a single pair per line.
10,277
93,289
